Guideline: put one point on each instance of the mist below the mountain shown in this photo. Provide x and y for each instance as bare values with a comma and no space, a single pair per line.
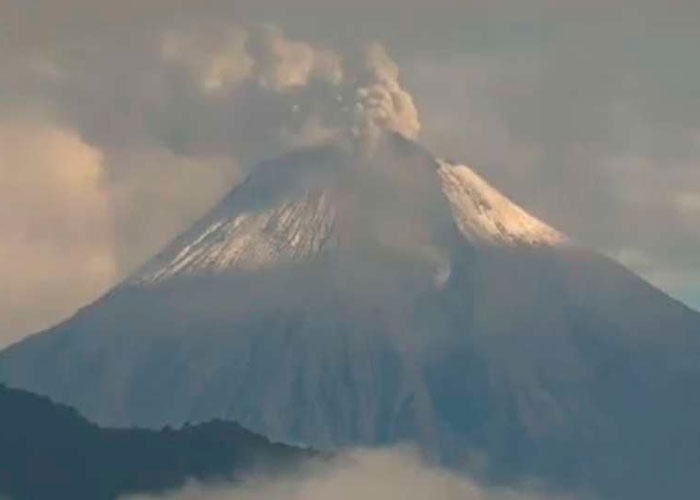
366,474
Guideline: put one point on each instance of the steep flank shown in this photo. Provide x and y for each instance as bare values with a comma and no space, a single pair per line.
486,216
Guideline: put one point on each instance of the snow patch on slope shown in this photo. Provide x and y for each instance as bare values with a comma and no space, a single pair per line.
484,215
250,240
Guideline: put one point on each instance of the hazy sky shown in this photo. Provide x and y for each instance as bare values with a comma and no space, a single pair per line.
121,122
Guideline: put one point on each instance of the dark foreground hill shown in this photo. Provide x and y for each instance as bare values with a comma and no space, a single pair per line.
48,451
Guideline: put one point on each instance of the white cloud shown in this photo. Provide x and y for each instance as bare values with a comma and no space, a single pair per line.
56,226
358,475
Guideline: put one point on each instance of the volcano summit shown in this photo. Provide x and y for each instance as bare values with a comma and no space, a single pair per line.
344,298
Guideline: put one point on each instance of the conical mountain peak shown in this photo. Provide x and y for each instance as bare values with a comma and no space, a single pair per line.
312,201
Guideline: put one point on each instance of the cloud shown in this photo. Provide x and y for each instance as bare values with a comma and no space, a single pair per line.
381,103
361,474
358,89
281,64
56,229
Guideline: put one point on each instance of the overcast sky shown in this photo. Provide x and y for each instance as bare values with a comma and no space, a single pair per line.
121,122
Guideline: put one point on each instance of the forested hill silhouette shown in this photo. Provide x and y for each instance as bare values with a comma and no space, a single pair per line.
49,451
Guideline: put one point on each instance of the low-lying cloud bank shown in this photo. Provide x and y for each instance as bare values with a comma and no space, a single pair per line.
394,474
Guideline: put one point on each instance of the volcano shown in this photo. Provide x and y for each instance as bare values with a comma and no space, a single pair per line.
344,297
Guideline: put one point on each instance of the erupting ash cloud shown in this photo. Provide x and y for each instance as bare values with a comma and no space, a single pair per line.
380,100
327,92
282,64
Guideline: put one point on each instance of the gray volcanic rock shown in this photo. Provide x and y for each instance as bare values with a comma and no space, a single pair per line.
339,298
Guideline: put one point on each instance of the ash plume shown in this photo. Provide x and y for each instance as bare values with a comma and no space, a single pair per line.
319,92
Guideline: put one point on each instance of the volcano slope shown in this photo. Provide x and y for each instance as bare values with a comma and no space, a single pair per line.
340,297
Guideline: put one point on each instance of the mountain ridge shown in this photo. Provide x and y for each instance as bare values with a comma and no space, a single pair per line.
49,451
